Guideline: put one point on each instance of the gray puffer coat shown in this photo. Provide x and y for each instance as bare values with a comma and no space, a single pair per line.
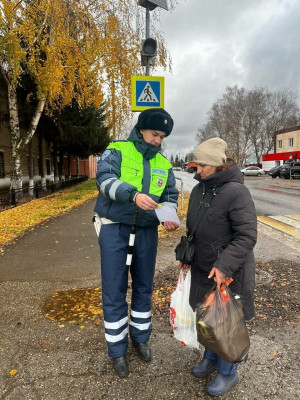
225,237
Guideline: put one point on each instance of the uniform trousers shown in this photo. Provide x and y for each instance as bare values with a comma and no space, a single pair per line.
113,241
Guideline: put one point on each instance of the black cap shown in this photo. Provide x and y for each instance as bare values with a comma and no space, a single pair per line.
157,119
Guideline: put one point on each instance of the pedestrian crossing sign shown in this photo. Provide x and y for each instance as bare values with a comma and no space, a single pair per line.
147,92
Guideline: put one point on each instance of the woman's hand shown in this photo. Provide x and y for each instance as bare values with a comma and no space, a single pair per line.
218,276
170,226
183,266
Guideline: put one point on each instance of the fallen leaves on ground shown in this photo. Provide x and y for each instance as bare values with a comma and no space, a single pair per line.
84,304
17,220
277,302
74,305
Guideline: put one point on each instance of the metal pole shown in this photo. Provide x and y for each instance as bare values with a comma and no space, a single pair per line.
147,36
181,190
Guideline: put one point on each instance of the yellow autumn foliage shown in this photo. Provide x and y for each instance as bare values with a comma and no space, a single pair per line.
78,49
15,221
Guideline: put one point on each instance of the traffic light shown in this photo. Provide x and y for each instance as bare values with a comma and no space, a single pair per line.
152,4
149,51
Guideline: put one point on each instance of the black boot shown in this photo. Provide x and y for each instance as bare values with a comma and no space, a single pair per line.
221,384
204,368
143,350
121,366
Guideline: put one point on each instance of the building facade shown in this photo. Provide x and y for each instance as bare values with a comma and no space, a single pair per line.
39,156
287,148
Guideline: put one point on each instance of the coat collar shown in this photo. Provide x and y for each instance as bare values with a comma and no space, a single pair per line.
146,149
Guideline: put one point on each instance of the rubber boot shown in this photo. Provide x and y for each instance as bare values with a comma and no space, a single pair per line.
221,384
204,368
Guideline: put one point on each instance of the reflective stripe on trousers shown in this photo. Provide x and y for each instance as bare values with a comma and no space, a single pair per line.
113,242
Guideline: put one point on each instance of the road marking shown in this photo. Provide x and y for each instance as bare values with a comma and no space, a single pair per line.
283,224
289,220
296,217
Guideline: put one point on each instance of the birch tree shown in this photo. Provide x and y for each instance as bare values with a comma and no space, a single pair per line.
55,41
74,49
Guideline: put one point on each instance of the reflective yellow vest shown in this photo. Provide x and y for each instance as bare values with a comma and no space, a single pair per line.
132,168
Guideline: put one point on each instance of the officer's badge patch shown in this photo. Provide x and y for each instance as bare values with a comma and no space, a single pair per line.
105,154
159,171
159,182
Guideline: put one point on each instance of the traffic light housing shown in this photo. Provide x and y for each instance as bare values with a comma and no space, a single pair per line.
149,51
152,4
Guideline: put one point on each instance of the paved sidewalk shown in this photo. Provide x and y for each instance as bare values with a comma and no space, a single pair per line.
70,362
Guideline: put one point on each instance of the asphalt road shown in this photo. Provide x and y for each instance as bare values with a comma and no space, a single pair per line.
271,196
274,196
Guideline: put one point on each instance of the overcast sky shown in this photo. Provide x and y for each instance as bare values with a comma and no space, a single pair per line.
220,43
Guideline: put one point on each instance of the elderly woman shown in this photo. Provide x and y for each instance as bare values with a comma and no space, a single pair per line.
224,242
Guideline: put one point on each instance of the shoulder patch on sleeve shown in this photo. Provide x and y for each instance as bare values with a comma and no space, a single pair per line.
105,154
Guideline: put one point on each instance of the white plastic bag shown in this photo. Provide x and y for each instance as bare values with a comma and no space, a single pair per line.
182,316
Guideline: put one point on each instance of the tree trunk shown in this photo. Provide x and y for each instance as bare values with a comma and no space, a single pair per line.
18,142
42,162
16,150
35,120
30,169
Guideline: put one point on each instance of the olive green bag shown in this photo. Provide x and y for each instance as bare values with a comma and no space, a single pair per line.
221,325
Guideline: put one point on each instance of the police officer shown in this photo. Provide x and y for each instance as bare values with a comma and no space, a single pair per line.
131,175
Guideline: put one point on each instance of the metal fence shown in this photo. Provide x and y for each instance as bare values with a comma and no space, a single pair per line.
15,197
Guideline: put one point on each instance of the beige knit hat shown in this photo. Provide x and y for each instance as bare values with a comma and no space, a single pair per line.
211,152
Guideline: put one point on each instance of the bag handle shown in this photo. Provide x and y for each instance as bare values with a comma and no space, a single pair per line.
204,207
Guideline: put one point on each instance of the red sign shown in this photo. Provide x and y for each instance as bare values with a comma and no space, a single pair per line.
288,155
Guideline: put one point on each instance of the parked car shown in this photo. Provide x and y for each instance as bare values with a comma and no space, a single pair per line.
291,170
252,171
275,171
177,169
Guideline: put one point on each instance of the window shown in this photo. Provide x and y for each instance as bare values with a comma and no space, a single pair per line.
291,142
280,144
2,171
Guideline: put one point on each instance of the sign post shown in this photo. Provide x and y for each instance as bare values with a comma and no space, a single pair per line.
148,91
